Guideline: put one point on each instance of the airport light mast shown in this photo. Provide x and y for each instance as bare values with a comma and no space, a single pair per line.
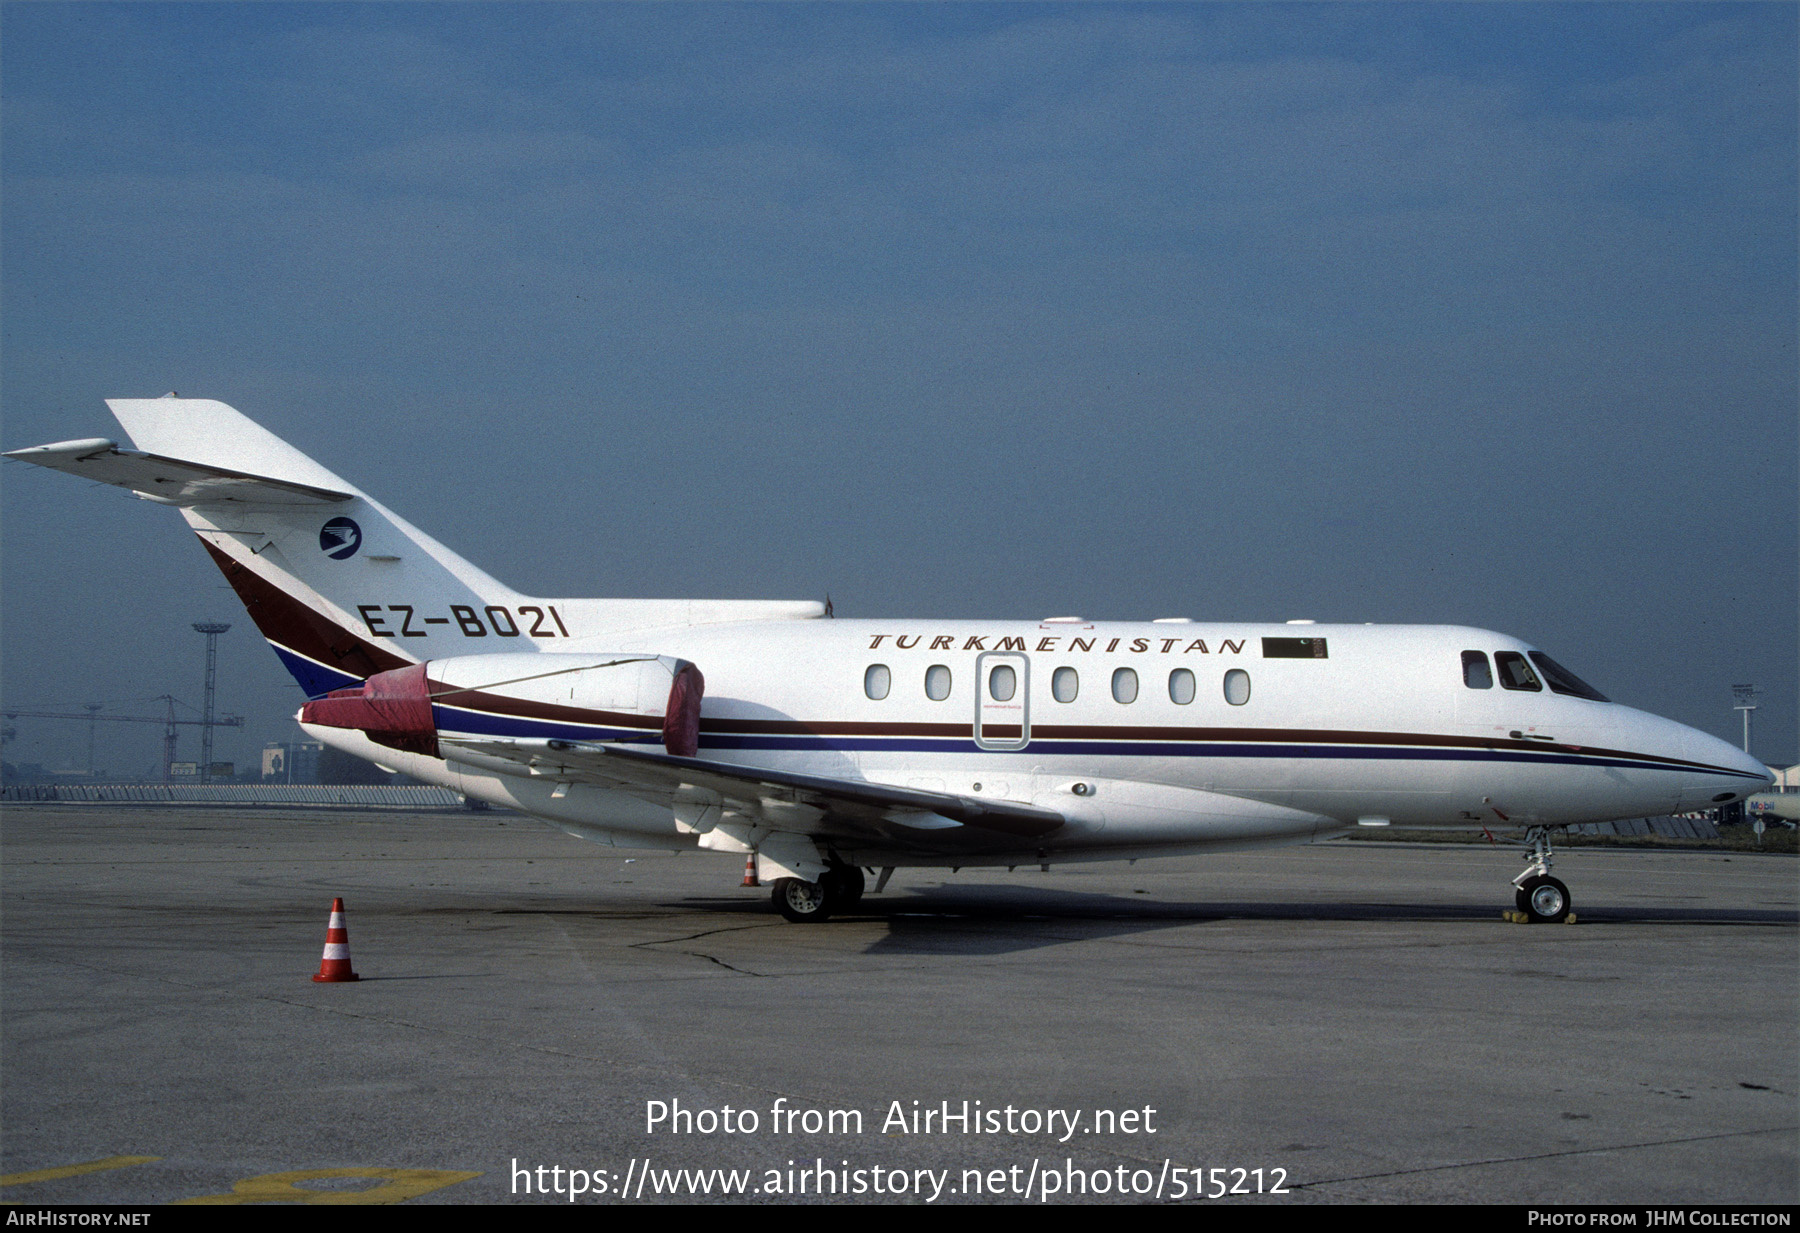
1746,702
212,630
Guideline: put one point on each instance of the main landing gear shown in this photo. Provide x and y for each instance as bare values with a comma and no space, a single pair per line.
1541,898
839,889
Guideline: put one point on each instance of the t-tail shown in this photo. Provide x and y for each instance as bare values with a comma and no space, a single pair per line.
341,586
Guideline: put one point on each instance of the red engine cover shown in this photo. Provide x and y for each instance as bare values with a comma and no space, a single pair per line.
681,721
393,708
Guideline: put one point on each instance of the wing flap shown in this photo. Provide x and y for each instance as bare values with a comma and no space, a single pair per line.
784,799
172,481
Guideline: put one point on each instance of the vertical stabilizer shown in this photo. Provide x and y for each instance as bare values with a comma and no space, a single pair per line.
343,588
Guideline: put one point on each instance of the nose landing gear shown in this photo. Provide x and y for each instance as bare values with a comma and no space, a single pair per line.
1541,898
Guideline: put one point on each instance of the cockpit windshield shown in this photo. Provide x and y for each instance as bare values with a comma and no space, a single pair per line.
1562,681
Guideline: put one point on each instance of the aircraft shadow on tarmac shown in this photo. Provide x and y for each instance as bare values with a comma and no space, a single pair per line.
997,919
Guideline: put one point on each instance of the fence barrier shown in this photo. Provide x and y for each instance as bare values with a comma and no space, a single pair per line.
354,796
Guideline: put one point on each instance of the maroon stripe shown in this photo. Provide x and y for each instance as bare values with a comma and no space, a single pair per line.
1097,732
523,708
292,624
475,700
1293,736
1335,736
774,727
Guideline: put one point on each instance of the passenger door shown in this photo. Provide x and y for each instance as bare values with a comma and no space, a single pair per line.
1002,700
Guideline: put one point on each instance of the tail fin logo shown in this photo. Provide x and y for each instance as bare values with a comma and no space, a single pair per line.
340,538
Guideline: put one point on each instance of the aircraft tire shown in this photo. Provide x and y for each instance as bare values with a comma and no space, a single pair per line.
1544,900
803,902
846,886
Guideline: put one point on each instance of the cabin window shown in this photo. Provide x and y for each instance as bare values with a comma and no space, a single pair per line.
1563,681
1476,674
1181,687
1237,687
877,681
1065,683
1124,686
1515,673
1002,683
937,682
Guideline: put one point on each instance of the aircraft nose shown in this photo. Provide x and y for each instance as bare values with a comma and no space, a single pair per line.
1725,773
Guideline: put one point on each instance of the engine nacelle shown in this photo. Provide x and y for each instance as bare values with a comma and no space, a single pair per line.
405,708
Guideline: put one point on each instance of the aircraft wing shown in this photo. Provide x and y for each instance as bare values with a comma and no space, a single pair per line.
783,800
170,480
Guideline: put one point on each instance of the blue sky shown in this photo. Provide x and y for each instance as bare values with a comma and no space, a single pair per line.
1463,313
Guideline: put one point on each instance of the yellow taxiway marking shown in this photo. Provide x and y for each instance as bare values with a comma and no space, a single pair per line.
74,1170
392,1186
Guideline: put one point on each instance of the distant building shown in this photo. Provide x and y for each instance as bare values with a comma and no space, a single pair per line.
1787,779
291,762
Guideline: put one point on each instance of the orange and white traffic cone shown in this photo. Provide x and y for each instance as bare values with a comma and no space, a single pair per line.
335,965
750,871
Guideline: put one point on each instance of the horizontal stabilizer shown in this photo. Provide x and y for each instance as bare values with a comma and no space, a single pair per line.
172,481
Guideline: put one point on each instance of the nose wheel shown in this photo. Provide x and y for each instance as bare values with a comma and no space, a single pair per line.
1541,898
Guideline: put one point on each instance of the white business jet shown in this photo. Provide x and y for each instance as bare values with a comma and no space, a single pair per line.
821,748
